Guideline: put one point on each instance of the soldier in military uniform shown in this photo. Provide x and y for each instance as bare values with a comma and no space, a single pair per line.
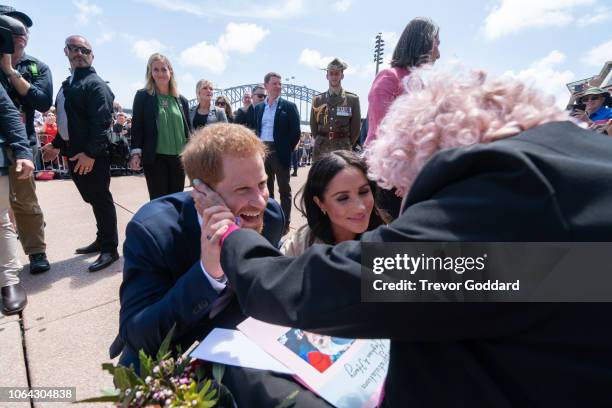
335,118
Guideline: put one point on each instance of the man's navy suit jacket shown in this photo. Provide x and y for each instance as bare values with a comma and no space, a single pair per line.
163,282
286,128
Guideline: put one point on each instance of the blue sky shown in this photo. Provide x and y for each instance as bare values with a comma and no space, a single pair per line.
233,42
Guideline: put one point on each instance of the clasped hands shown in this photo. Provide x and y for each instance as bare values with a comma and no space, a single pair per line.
216,219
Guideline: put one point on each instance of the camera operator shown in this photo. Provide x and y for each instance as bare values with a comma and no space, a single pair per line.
28,83
14,144
597,109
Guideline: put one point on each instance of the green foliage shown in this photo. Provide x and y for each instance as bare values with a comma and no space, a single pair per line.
165,381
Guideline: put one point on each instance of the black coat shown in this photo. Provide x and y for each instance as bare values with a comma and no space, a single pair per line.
245,118
286,128
89,109
13,136
144,123
550,183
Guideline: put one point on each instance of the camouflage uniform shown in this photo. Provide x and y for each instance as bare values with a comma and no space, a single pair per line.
335,119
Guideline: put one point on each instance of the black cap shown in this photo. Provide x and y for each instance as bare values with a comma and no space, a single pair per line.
10,11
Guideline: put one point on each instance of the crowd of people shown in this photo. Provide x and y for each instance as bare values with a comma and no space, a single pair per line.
446,158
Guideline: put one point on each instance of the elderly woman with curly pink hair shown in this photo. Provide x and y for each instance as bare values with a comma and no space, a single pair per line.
478,160
451,112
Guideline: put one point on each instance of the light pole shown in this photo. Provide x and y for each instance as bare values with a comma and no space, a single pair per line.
378,50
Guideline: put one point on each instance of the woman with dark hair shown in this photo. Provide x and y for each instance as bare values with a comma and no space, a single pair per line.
418,45
338,202
160,129
223,103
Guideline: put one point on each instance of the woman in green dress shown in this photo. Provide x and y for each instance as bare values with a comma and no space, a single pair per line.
160,129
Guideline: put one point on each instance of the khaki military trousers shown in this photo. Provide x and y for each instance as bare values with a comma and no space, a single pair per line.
324,145
9,259
28,214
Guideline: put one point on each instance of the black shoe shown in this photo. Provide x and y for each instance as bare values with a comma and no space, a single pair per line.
89,249
104,260
14,299
39,263
294,174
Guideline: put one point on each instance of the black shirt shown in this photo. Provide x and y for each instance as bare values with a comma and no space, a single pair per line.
199,120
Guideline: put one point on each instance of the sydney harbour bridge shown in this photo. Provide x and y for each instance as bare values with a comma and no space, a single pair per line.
300,95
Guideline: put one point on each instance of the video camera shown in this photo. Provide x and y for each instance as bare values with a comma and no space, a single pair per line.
8,27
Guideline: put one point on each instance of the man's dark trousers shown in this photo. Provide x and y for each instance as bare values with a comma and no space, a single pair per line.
276,170
95,190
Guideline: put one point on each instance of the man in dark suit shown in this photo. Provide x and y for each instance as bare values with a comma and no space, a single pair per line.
165,281
84,118
548,182
277,123
246,116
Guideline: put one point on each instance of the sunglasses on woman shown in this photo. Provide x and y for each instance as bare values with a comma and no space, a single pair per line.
590,98
220,103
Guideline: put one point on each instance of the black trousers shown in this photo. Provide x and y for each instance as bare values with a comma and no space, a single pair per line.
165,175
276,170
94,188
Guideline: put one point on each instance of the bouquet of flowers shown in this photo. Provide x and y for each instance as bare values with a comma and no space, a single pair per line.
166,381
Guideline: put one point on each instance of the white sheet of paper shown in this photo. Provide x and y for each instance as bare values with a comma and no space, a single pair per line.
232,347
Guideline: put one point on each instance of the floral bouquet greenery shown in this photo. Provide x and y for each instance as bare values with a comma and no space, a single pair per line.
166,381
172,382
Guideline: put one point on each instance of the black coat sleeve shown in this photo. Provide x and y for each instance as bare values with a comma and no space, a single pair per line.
12,128
321,289
185,113
99,117
40,94
138,120
294,125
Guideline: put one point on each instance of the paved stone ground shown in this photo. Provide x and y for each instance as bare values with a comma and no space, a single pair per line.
62,337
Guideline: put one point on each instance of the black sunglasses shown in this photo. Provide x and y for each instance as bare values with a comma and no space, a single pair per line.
220,103
76,48
592,98
262,96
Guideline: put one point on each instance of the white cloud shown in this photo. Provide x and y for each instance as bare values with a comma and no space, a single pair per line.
544,74
515,15
242,38
599,16
596,56
86,10
313,59
105,37
244,9
342,5
144,48
204,55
